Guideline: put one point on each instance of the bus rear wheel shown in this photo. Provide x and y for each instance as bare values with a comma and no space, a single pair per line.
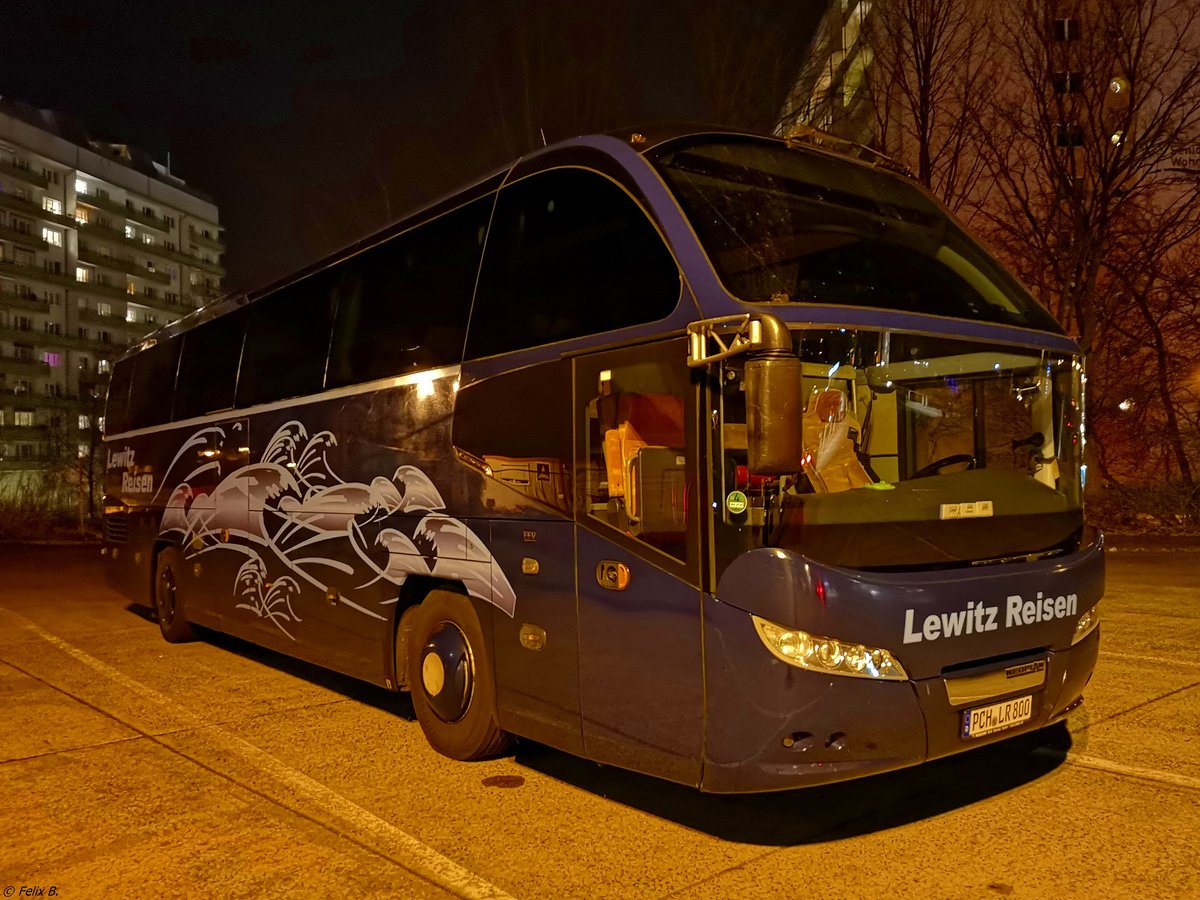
168,607
450,675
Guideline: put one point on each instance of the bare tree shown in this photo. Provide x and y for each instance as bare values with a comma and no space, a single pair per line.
747,55
929,80
1080,138
1079,146
556,72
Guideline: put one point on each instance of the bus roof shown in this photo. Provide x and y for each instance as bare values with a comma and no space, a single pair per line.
642,140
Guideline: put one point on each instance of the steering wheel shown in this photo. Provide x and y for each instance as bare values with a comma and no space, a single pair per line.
938,464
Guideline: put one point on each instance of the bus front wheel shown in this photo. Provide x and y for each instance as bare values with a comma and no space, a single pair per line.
450,675
172,621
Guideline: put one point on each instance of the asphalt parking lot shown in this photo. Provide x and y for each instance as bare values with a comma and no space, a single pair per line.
130,767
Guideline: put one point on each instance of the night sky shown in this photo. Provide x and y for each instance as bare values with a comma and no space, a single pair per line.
313,124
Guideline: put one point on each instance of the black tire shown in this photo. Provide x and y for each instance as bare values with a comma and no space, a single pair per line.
168,607
450,676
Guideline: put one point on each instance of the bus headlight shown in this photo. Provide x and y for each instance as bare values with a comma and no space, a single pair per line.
1087,624
828,655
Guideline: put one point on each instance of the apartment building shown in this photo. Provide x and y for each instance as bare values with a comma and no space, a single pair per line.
99,245
832,92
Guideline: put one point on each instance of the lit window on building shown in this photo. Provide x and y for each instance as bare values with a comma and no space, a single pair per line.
81,215
103,366
1066,29
51,205
103,309
1067,82
52,236
52,359
82,451
83,274
130,232
80,186
23,417
85,422
131,315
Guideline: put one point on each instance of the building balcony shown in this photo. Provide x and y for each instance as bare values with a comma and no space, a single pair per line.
29,208
204,294
115,345
26,461
148,274
103,232
26,335
107,204
211,268
24,238
96,258
24,173
113,320
110,349
23,366
30,302
147,218
34,273
27,400
95,380
172,308
122,264
102,289
114,236
201,240
126,210
22,432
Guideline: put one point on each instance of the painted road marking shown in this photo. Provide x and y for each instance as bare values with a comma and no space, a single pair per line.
1116,768
420,858
1166,660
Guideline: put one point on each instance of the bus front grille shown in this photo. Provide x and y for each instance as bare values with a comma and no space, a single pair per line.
116,529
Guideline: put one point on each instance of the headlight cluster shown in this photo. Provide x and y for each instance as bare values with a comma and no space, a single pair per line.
1087,624
828,655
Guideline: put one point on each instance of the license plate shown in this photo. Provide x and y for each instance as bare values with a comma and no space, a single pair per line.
997,717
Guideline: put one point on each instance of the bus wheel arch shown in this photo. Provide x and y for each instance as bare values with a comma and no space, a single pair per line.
165,598
449,672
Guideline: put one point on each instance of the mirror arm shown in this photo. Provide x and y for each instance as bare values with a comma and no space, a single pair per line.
760,334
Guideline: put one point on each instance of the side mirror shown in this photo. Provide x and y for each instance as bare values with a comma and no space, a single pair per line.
774,414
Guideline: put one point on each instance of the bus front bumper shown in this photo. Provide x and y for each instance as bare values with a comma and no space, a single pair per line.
774,727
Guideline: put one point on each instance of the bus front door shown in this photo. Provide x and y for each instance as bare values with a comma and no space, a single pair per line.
640,666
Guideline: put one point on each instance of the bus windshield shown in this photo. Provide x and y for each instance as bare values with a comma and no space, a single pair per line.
786,225
917,451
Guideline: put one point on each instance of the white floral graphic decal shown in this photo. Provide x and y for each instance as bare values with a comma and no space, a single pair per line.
293,518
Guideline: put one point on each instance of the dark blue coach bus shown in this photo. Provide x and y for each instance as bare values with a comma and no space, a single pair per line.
724,458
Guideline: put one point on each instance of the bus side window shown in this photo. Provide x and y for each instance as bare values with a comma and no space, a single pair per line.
208,365
402,305
150,395
287,341
527,449
116,410
569,253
